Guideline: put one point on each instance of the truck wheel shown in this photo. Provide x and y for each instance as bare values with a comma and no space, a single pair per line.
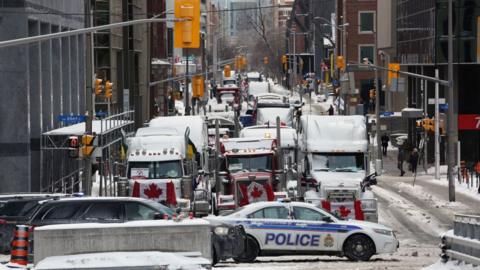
359,247
251,251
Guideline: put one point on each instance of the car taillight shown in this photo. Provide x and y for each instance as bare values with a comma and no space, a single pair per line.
358,210
326,205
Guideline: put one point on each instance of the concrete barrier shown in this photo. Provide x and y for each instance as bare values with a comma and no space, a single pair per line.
152,260
155,235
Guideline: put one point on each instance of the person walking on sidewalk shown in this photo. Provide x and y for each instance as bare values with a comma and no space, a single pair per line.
401,159
385,141
414,160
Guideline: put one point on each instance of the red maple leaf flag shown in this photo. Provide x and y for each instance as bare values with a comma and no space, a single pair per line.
344,212
153,191
171,197
256,193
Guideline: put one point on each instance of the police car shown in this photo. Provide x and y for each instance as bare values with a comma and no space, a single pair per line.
296,228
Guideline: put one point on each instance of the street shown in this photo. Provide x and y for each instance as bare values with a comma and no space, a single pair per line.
418,214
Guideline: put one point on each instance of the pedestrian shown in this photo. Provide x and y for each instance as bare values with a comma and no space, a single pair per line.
401,159
414,160
331,110
385,139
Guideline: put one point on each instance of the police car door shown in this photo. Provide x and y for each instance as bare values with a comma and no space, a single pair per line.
312,233
269,226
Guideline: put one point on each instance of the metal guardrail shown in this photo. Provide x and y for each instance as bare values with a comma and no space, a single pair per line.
463,242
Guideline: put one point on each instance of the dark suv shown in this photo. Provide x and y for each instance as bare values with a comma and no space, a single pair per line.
97,210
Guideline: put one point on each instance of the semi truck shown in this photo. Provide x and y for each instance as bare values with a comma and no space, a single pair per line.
248,172
171,154
333,152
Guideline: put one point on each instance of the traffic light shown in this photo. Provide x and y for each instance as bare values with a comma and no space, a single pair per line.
87,145
108,89
227,71
187,31
372,93
340,63
393,69
73,146
238,64
265,60
197,86
243,61
98,86
284,59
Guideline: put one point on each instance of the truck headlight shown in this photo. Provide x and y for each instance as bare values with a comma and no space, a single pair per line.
221,230
382,231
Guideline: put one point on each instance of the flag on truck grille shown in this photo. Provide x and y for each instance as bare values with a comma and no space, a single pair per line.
155,190
255,192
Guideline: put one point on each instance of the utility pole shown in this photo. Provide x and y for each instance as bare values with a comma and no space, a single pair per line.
378,88
344,50
437,129
89,96
187,99
451,126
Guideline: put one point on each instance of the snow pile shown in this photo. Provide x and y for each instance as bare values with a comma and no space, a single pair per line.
123,259
451,265
463,188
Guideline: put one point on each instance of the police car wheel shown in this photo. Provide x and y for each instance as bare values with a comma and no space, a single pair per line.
251,252
359,248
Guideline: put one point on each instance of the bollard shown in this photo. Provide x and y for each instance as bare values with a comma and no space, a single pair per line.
19,253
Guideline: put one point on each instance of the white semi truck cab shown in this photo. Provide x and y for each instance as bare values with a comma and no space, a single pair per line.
335,165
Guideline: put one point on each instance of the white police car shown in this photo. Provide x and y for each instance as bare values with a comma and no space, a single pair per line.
296,228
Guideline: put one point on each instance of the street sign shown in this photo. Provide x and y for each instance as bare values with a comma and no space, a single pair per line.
431,101
443,107
386,114
71,119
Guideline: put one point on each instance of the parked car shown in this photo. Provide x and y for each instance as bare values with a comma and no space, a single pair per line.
18,209
227,240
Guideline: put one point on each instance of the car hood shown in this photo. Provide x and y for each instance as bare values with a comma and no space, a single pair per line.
335,179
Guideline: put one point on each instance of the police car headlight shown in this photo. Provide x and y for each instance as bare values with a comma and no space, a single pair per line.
384,232
221,230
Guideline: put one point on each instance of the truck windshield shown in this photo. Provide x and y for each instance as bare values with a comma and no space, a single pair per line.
155,169
251,163
338,162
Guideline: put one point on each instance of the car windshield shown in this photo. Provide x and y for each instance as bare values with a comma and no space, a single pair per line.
338,162
162,209
155,169
18,208
250,163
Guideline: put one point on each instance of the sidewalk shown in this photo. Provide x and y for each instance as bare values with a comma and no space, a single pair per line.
426,187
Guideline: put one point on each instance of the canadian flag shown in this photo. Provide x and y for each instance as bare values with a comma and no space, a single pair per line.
351,210
153,190
255,192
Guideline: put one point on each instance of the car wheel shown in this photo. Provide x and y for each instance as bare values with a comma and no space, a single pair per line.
251,251
359,247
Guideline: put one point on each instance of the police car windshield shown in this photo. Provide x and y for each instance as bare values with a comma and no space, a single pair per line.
338,162
251,163
155,169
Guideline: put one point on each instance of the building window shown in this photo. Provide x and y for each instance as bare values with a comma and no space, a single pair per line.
366,51
366,22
